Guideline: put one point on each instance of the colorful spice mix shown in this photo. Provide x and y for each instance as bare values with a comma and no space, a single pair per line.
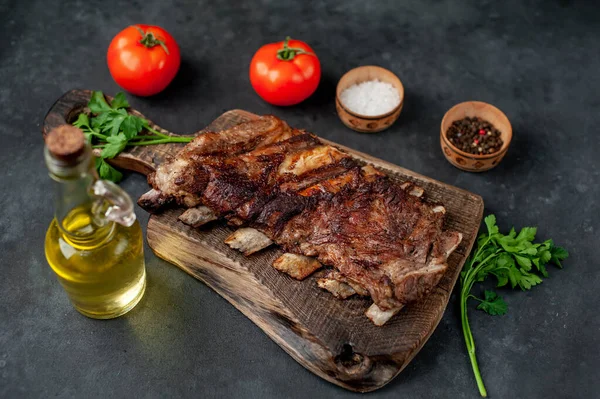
475,136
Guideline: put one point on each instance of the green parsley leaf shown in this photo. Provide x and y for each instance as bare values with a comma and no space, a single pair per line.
542,269
504,262
119,101
490,222
540,263
132,125
107,172
529,250
528,280
114,124
547,244
82,121
514,276
511,244
111,127
99,122
524,262
502,277
558,254
115,145
98,103
492,304
509,258
527,234
545,256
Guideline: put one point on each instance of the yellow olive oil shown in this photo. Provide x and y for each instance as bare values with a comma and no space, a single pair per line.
100,267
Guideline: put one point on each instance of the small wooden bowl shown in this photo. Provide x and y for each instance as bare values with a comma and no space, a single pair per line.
364,123
471,162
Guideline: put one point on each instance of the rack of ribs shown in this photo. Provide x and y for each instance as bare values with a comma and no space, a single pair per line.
283,185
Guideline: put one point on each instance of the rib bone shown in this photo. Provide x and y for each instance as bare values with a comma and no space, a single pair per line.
297,266
248,240
380,317
198,216
153,201
413,190
340,286
337,288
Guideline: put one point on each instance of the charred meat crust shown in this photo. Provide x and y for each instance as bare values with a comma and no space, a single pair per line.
315,201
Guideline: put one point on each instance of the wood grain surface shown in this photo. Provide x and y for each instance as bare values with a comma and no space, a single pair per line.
330,337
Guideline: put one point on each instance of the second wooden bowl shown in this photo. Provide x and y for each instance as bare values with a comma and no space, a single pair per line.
364,123
472,162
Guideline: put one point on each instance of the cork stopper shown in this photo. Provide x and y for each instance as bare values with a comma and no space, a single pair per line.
66,143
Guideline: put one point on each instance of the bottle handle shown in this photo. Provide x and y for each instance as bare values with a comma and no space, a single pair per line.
113,203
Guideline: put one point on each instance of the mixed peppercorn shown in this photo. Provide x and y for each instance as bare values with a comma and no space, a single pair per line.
475,136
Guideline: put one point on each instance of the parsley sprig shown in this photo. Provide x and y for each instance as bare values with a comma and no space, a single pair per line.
112,129
512,258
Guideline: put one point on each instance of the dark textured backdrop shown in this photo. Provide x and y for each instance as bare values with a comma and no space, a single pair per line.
538,61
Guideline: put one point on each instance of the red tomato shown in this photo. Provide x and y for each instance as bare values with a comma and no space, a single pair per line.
143,59
285,73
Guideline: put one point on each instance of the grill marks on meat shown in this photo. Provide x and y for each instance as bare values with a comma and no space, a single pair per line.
375,235
314,201
183,180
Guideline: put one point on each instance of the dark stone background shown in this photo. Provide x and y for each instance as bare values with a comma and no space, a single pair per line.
538,61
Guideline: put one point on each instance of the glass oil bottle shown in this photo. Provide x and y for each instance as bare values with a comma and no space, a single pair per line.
94,244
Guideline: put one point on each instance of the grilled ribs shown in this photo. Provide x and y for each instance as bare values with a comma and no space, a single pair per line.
313,200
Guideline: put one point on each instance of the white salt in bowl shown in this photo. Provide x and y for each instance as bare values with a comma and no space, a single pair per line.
368,123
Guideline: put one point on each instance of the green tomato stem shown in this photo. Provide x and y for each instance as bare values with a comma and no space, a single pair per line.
149,40
288,53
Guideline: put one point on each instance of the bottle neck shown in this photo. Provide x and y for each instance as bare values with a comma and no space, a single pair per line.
86,208
75,205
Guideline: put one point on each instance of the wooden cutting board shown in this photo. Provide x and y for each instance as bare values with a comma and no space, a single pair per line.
330,337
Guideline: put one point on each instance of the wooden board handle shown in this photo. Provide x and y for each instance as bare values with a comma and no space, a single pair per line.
66,109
